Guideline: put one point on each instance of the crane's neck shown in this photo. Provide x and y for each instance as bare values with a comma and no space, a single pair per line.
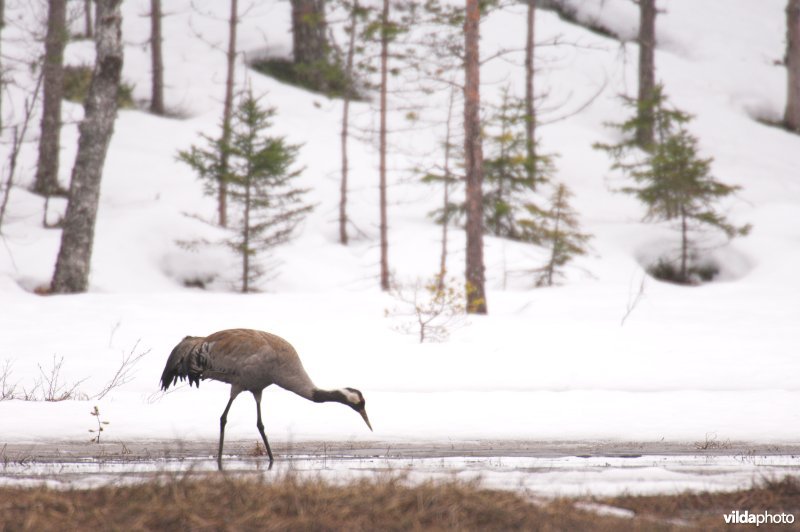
345,397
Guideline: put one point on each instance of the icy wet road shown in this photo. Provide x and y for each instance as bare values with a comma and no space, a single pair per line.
549,468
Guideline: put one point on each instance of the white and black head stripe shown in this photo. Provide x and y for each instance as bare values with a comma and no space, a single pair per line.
353,396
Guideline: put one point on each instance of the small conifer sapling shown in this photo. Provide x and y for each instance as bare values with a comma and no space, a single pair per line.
260,174
558,229
673,181
511,177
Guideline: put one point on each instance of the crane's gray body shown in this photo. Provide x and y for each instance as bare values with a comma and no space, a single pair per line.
250,360
246,359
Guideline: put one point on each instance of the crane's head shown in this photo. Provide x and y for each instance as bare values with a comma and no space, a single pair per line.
355,400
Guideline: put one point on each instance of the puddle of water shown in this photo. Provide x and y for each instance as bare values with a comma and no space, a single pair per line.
542,476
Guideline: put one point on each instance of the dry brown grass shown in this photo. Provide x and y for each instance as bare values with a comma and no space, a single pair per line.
705,510
220,502
224,503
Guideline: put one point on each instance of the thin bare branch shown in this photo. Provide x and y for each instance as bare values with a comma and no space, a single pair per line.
123,375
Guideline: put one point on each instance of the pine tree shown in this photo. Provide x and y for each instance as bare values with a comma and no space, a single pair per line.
259,174
672,180
510,176
557,228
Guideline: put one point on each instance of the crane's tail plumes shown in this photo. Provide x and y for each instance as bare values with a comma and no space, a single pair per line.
181,364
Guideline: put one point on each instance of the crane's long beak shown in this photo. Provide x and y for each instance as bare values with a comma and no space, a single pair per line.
363,413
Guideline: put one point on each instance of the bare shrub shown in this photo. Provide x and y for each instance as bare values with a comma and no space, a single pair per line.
49,385
17,139
429,309
6,388
123,375
712,442
633,301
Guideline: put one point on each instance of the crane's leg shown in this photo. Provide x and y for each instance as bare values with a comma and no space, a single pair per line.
222,421
260,425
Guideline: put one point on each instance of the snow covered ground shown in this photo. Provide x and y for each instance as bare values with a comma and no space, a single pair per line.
589,359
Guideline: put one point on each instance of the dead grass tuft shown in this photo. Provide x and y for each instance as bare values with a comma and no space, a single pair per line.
224,502
220,502
706,509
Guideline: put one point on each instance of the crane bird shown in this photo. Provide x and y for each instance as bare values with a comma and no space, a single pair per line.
250,361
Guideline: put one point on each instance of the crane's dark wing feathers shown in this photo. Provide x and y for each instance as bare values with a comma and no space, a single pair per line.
188,360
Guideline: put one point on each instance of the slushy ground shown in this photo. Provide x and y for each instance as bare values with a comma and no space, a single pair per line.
553,468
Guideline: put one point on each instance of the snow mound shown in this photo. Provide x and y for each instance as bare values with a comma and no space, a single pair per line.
724,263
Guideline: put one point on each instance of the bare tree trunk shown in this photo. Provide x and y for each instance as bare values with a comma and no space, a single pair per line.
74,256
157,93
446,198
792,114
647,71
246,234
551,266
227,111
309,31
2,78
87,18
310,42
343,239
382,148
17,139
46,182
473,155
684,247
530,116
351,47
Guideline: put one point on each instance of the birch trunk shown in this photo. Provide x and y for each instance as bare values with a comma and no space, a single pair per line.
74,257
